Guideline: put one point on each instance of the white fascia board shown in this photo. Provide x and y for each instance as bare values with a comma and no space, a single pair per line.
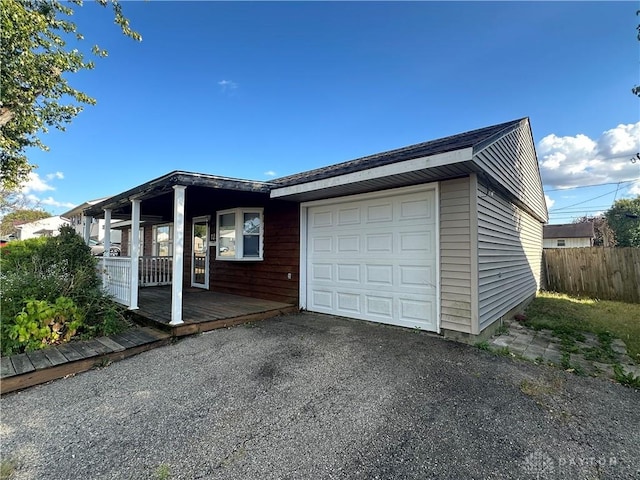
422,163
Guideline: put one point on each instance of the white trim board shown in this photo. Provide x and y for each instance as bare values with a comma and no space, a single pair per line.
397,168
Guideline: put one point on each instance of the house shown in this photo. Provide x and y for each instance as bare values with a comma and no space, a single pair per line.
95,226
444,236
570,235
45,227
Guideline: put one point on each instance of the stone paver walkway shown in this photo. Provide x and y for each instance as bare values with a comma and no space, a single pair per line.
544,346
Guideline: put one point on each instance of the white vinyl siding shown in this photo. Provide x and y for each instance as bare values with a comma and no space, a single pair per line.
456,269
512,162
568,243
509,255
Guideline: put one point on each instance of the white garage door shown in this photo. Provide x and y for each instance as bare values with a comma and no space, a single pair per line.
374,258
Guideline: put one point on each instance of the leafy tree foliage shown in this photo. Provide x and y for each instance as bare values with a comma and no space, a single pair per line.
603,235
34,93
10,220
624,219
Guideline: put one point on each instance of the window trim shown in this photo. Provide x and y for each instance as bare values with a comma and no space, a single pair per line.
154,239
239,234
564,243
140,242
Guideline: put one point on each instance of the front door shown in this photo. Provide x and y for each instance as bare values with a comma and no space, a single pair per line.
200,255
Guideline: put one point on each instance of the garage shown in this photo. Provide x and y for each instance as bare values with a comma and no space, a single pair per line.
373,257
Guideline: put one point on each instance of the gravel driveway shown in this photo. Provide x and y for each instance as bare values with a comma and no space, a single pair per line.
311,396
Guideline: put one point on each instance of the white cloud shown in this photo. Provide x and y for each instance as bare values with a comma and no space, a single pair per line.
227,85
55,203
635,188
549,201
58,175
270,173
567,162
35,184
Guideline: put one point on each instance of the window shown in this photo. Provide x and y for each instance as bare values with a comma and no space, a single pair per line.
239,234
140,241
163,240
561,243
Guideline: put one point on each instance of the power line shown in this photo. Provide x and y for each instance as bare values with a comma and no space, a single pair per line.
583,202
589,186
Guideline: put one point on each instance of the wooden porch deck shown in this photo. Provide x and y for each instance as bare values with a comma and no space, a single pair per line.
203,310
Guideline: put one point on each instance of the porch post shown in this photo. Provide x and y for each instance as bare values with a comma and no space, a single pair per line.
86,228
107,245
134,249
107,232
178,253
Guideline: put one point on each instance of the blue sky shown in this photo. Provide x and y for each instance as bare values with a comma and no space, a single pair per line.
256,90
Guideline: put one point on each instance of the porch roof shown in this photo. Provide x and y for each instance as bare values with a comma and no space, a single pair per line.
164,184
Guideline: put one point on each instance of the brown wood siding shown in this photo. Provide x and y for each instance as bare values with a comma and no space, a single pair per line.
512,162
267,279
509,255
455,255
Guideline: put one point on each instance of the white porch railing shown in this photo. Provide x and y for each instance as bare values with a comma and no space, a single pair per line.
155,271
116,275
116,278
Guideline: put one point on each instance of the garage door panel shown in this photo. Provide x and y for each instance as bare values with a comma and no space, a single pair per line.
381,275
348,244
417,276
322,271
349,216
348,273
322,218
375,259
379,212
322,245
415,209
379,243
322,299
348,303
380,308
416,310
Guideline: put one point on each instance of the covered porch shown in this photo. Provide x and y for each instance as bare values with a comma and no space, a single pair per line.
191,243
204,310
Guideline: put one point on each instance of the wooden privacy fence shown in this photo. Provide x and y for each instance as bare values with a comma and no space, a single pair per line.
598,272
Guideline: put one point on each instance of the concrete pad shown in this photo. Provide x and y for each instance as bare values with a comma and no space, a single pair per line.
501,342
533,352
553,356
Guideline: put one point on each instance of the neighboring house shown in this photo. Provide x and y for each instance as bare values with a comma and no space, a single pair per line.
96,226
45,227
445,236
569,235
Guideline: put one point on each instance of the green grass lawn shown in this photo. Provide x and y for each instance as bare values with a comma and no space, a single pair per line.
567,315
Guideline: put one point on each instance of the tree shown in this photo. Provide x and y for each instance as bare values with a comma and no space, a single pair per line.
624,219
34,94
10,220
603,235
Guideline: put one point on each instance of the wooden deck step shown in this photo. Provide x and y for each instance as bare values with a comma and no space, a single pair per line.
32,368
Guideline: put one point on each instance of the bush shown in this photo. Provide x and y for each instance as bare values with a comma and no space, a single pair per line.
41,323
36,274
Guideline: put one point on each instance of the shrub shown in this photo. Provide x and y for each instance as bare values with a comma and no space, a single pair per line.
41,323
46,270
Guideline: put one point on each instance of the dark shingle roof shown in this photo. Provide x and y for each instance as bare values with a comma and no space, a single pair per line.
433,147
569,230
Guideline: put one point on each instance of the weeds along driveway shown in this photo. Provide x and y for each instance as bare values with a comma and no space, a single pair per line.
310,396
